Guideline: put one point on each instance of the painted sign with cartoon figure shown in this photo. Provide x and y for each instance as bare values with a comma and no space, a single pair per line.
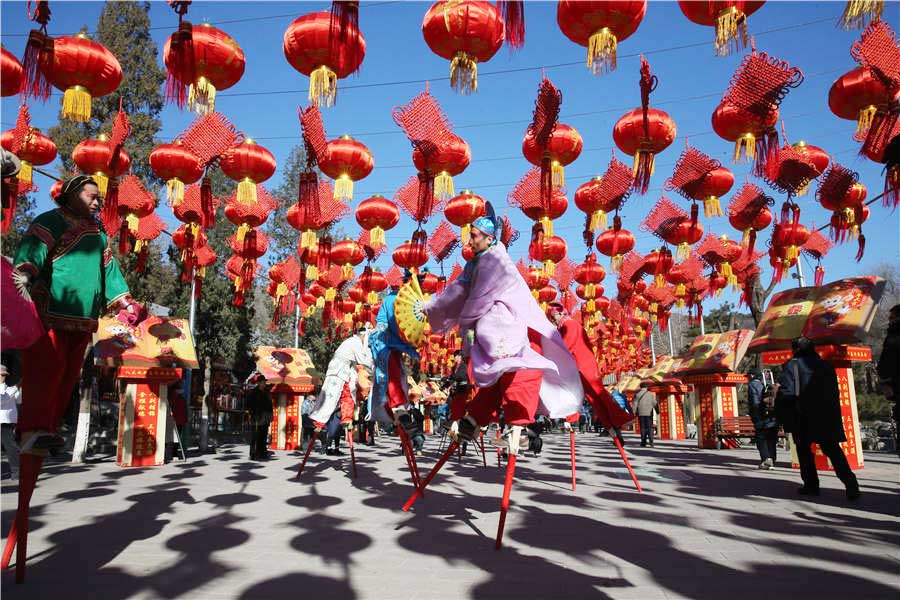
716,352
838,313
289,366
155,342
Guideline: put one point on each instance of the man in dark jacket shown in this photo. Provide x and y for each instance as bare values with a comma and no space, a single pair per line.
809,384
763,420
259,403
889,368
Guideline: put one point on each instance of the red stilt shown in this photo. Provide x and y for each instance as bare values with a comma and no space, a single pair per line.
499,452
504,503
627,464
10,546
306,456
29,469
410,457
572,450
481,444
437,467
352,453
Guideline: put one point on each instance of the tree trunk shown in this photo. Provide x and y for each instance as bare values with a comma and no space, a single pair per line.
758,297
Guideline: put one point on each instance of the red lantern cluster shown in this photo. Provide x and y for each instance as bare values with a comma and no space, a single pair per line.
178,167
346,160
37,149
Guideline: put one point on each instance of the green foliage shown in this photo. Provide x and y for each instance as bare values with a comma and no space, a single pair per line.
21,219
158,282
872,407
283,237
124,28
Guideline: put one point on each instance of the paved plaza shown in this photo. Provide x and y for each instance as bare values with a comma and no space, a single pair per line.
708,525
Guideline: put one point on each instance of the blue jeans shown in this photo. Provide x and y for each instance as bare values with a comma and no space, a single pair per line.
646,424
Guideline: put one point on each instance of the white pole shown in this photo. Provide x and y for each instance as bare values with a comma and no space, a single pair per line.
296,326
652,348
800,278
702,327
671,345
193,310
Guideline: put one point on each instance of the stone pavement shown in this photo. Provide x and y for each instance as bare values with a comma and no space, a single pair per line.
708,525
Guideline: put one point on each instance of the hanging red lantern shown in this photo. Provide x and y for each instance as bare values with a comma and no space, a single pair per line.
462,210
178,167
248,163
83,69
631,138
546,295
93,157
600,25
134,203
615,242
204,257
590,199
749,212
346,160
12,75
729,17
410,255
376,215
657,263
450,159
373,282
791,236
548,250
734,125
249,216
347,254
563,148
558,205
208,62
683,234
429,282
857,96
37,149
315,45
465,32
716,184
589,274
149,228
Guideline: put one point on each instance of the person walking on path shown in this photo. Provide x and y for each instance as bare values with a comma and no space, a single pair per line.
10,398
764,421
811,411
259,403
889,369
645,403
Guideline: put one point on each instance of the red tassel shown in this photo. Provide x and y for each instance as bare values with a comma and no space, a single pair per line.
188,267
766,147
425,197
198,286
891,196
862,247
513,12
819,276
38,65
109,213
238,299
796,214
181,60
785,211
124,238
642,172
9,206
206,203
142,258
546,181
301,327
324,258
777,272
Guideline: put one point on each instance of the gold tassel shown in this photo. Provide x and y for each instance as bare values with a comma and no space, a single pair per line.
25,173
464,73
280,292
102,182
712,207
201,271
308,239
312,272
549,268
683,252
330,294
238,281
347,271
849,216
589,290
322,87
246,191
443,186
615,263
591,306
310,311
133,221
547,226
77,104
802,190
858,13
376,237
791,253
320,302
601,56
372,298
659,280
746,239
864,120
725,270
733,282
598,220
637,161
745,148
202,96
174,191
535,294
731,31
465,233
679,302
343,188
680,291
138,246
242,231
558,174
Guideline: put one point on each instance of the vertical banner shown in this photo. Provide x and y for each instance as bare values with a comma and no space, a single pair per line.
729,405
707,436
665,418
678,417
292,422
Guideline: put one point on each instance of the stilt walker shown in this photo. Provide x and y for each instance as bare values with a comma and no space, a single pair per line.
64,263
519,361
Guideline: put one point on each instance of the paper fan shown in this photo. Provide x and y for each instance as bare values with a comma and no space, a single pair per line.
408,311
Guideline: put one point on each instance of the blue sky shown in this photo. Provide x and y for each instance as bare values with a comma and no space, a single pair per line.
691,82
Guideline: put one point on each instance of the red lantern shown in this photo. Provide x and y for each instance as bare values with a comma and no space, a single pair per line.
591,202
346,160
734,125
12,75
600,25
589,274
466,33
134,203
857,96
372,281
410,255
449,160
630,137
790,236
348,254
37,149
315,45
249,164
376,215
615,242
818,156
563,148
247,216
657,263
429,282
558,205
178,167
716,184
206,60
93,158
731,252
83,69
729,17
684,233
548,250
464,209
546,294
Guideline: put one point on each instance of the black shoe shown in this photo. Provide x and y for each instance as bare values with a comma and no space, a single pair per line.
853,493
337,452
643,445
329,451
805,490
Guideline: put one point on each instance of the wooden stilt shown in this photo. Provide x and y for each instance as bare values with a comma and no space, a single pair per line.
410,457
627,463
352,453
437,467
29,470
504,502
481,445
306,455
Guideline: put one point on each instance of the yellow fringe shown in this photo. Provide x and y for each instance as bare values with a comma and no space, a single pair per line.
535,294
731,33
858,13
347,271
330,294
25,173
791,253
680,291
712,207
77,104
659,280
864,120
683,252
558,174
246,191
464,73
280,292
202,96
601,56
849,215
443,186
725,270
598,220
372,298
238,281
746,239
242,231
465,233
549,268
343,188
323,87
802,190
589,290
312,272
138,246
616,263
320,302
102,182
637,160
679,302
376,237
591,306
310,311
745,148
132,221
174,191
547,225
308,239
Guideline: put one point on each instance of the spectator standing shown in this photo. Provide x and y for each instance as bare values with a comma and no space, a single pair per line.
10,398
259,403
645,403
764,421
